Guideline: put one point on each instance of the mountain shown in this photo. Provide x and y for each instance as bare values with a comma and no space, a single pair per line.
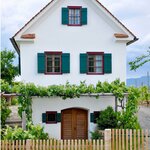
144,80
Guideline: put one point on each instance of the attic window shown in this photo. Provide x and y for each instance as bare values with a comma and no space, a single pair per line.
74,15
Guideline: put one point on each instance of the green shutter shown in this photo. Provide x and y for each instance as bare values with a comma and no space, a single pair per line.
43,117
84,16
65,15
58,117
107,63
65,63
41,62
91,117
83,63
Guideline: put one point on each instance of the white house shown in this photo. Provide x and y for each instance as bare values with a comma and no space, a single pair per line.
71,40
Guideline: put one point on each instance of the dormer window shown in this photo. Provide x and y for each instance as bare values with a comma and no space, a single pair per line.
74,16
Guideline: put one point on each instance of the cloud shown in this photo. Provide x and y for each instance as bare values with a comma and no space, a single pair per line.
15,13
146,40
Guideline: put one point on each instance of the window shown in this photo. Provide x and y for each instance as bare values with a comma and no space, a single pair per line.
95,63
51,117
53,62
75,16
96,115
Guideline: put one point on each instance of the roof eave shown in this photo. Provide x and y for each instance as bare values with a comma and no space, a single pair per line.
15,45
134,40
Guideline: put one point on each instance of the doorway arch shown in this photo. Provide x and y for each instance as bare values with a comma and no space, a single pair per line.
74,123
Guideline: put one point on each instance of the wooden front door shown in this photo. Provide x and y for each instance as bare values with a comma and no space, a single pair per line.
74,124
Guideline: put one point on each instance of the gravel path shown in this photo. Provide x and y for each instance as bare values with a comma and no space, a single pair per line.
144,117
14,118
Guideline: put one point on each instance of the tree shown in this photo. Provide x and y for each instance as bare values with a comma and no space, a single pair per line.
140,61
8,70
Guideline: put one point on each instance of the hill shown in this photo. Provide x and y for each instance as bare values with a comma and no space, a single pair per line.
144,80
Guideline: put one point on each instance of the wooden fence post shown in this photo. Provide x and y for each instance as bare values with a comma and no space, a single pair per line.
107,139
28,144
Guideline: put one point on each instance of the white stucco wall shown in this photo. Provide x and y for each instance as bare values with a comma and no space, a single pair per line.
51,35
41,105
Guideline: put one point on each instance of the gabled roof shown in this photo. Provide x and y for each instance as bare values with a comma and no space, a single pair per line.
34,17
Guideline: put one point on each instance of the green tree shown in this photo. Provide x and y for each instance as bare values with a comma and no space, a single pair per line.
8,70
140,61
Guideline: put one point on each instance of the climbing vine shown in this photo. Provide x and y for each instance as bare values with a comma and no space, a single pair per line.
28,90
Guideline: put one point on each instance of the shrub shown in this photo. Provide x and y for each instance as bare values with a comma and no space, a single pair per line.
33,132
14,101
107,119
5,111
96,135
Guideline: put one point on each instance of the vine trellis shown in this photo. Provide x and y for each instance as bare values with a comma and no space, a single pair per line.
116,88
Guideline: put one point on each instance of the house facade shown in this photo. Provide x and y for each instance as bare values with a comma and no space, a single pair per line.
71,41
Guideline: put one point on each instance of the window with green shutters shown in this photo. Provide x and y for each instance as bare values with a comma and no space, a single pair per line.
51,117
94,116
53,63
93,63
74,16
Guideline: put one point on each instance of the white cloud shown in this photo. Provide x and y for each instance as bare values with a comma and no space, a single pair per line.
146,40
15,13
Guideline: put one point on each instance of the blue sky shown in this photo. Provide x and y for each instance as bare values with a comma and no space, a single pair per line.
134,14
